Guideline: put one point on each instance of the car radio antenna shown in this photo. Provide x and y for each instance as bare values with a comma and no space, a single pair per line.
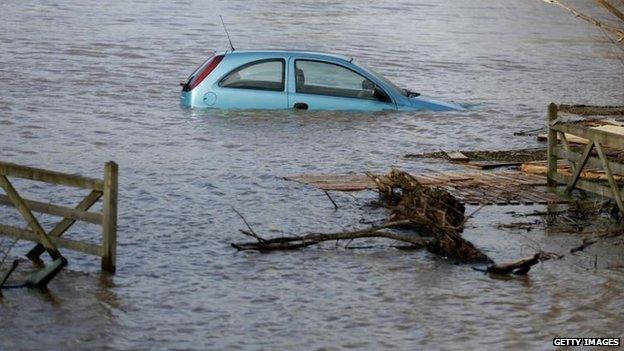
226,33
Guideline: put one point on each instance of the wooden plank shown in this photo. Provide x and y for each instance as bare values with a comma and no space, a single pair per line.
538,196
457,156
552,144
66,223
458,177
574,139
527,197
534,178
464,194
427,179
29,217
433,178
569,137
492,164
344,187
556,197
614,186
578,167
523,179
585,110
586,173
522,190
43,175
24,234
603,137
566,147
486,193
470,188
593,162
593,187
109,223
502,192
502,178
57,210
335,182
510,181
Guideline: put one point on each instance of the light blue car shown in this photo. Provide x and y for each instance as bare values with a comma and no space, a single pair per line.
298,80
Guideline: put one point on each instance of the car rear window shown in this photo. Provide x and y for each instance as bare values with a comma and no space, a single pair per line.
202,72
258,75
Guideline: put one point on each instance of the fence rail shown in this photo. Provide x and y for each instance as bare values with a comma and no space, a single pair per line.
105,189
596,141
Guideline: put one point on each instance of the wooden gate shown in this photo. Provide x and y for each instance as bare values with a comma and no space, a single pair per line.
596,139
51,241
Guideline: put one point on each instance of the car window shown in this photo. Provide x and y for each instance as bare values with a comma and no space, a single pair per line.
260,75
322,78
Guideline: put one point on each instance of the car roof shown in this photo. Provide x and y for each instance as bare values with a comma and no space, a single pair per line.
288,52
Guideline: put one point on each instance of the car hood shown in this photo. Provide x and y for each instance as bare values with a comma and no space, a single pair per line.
426,103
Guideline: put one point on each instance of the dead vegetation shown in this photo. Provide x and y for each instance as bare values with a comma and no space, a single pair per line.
421,216
593,221
429,217
613,27
430,210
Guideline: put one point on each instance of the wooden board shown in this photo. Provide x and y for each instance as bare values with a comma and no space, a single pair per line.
585,110
540,167
573,139
457,156
475,188
492,164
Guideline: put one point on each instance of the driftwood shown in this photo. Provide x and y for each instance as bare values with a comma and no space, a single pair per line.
437,216
296,242
8,274
616,31
518,267
586,243
428,217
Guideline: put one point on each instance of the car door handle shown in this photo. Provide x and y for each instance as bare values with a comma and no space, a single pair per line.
300,106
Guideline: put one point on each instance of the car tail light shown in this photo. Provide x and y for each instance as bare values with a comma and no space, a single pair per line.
202,72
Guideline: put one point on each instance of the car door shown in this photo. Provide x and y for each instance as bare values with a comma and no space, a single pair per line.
258,84
316,84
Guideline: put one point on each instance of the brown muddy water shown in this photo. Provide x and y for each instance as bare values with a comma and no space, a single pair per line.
85,82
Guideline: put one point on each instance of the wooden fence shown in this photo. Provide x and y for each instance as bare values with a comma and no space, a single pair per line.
596,140
52,240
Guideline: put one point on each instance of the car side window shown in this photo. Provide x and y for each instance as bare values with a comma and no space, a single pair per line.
323,78
258,75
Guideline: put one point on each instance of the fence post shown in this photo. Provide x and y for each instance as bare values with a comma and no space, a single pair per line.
109,220
552,144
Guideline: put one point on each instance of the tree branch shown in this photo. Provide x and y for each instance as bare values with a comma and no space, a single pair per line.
618,32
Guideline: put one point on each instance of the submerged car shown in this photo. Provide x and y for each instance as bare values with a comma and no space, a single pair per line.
298,80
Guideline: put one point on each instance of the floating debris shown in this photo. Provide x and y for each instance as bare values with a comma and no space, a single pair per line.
519,155
434,217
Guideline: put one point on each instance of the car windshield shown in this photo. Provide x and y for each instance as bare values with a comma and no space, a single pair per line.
384,79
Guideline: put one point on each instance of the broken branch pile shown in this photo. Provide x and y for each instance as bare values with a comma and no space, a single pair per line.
433,214
432,211
296,242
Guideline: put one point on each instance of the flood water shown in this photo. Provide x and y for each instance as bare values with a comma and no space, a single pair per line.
82,83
